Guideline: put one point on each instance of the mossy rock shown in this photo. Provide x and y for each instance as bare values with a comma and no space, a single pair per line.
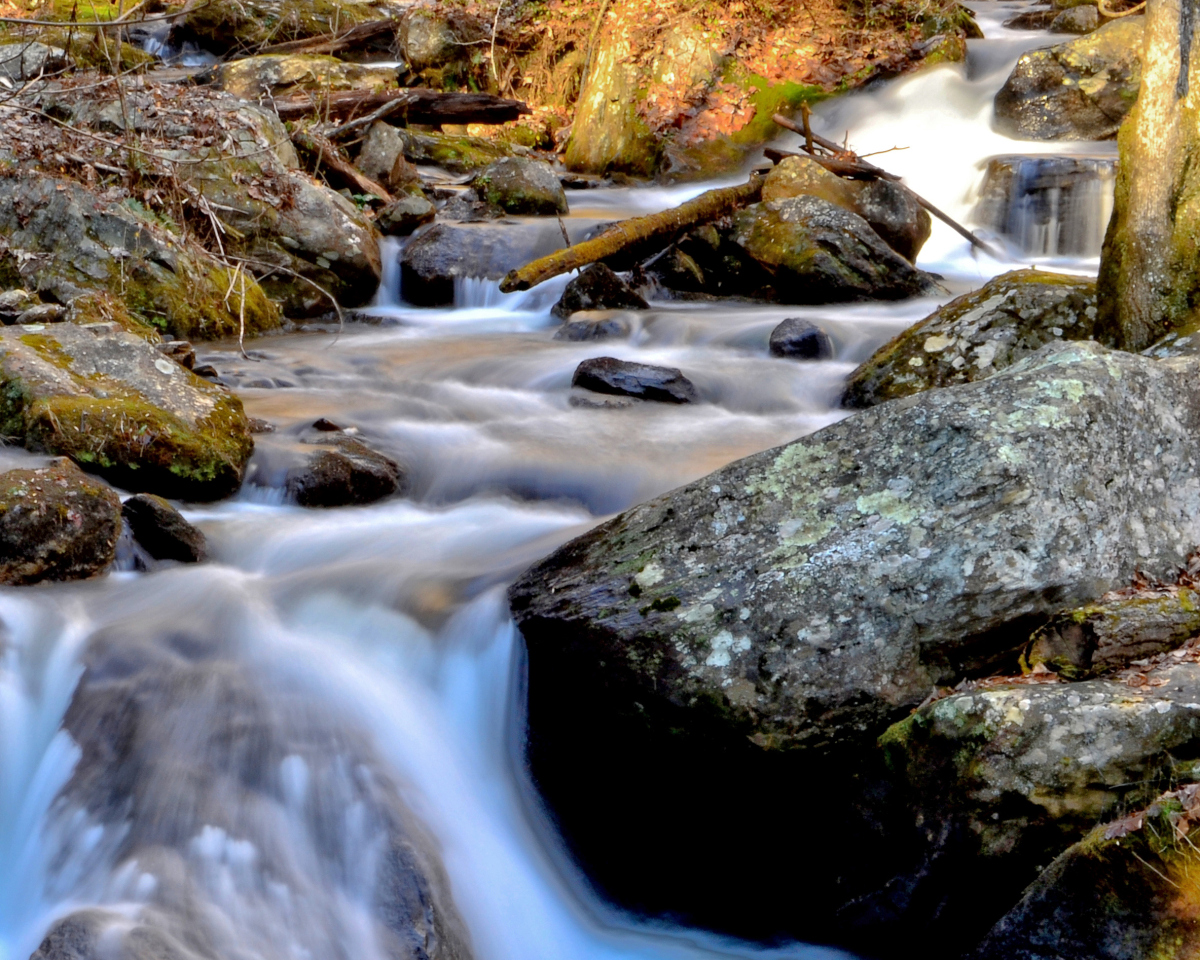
283,75
117,407
94,50
225,26
458,154
519,186
977,335
56,523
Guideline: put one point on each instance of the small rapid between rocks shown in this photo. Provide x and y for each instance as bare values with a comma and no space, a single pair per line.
368,650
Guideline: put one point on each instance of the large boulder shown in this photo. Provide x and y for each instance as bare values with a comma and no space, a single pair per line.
116,406
521,186
891,210
976,335
1078,90
288,74
56,523
69,241
816,252
723,640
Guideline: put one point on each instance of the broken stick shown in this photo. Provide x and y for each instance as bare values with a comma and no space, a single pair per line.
857,168
663,227
328,154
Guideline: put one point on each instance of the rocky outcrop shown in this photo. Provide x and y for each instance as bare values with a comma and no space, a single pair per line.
291,74
891,210
116,406
162,531
597,288
520,186
1079,90
56,523
816,252
800,339
225,26
977,335
642,381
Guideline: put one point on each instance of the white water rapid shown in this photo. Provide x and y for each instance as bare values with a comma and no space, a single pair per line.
369,649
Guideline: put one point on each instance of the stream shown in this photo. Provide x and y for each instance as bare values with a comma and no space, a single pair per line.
378,637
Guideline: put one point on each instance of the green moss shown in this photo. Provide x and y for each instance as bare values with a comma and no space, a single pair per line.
228,24
80,11
103,307
662,604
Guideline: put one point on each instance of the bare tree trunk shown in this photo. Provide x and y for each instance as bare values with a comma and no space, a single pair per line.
1149,273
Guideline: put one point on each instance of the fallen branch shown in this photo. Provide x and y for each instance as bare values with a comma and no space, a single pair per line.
385,111
662,227
422,106
328,43
858,169
328,154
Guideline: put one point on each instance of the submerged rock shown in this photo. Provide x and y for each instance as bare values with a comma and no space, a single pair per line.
598,288
116,406
56,523
342,471
819,253
594,325
162,531
641,381
1078,90
520,186
800,339
977,335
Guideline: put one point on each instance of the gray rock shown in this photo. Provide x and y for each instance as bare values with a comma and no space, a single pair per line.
383,144
404,214
24,60
817,252
43,313
813,593
976,335
114,404
892,212
598,288
342,471
13,303
603,325
641,381
466,209
800,339
521,186
1081,19
56,523
428,40
1031,20
1079,90
162,531
180,351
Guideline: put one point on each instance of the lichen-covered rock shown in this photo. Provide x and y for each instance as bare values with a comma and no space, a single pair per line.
405,214
807,595
342,471
1126,891
976,335
289,74
96,244
56,523
116,406
162,531
891,210
800,339
1078,90
1115,631
24,60
458,154
521,186
597,288
642,381
1083,18
816,252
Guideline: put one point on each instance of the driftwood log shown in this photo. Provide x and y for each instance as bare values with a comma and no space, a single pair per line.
422,105
662,228
319,147
355,37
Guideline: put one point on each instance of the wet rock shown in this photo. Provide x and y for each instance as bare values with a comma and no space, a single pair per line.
404,214
600,325
889,208
13,303
1125,891
1081,19
432,261
25,60
326,425
290,74
1116,631
800,339
111,402
466,209
259,425
180,351
1079,90
43,313
641,381
1031,20
708,262
162,531
521,186
80,243
342,471
56,523
819,253
592,401
976,335
598,288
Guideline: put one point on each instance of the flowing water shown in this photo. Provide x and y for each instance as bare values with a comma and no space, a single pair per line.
371,645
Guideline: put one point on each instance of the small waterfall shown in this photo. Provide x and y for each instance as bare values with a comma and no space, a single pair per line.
1055,206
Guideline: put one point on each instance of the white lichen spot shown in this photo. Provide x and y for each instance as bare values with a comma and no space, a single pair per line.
651,574
723,647
937,343
888,504
916,362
